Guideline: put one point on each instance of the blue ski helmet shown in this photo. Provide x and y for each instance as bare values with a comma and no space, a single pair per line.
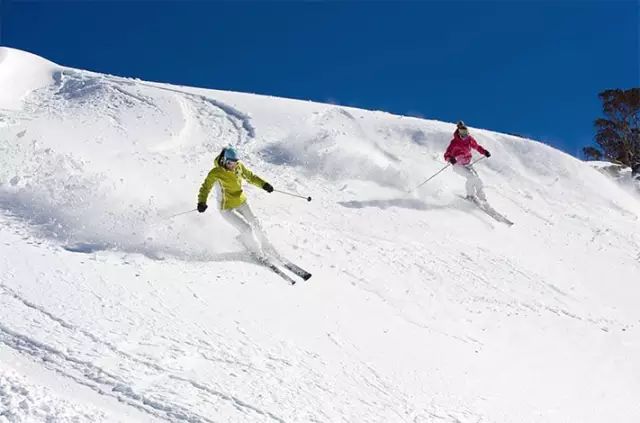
229,154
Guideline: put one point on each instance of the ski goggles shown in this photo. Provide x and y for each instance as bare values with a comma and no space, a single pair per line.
463,132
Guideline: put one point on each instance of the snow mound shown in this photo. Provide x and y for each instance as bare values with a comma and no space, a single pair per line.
22,73
334,146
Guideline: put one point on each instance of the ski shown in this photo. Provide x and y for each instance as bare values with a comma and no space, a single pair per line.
275,269
280,273
291,266
485,207
490,211
297,270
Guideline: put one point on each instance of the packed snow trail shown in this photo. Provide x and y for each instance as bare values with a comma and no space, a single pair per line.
422,308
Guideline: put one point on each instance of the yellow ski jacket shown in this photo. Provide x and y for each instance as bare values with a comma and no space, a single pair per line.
230,183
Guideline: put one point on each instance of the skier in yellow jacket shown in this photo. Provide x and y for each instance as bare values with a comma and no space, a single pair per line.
229,172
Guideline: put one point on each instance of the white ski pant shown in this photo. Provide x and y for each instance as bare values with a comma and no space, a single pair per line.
243,219
474,184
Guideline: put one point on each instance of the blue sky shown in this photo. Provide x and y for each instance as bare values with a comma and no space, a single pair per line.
531,68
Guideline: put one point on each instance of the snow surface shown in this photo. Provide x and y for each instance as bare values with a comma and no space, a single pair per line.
421,308
22,402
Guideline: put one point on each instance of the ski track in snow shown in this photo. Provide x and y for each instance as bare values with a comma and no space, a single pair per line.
241,121
104,382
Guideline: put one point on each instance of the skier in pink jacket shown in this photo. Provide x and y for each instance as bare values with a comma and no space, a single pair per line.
459,155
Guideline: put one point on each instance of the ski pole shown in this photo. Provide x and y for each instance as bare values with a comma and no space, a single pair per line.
180,214
431,177
477,160
293,195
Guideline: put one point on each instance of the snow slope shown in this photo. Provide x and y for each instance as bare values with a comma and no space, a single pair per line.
421,308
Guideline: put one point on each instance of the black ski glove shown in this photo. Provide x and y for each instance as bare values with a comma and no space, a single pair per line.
267,187
486,153
202,207
452,160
